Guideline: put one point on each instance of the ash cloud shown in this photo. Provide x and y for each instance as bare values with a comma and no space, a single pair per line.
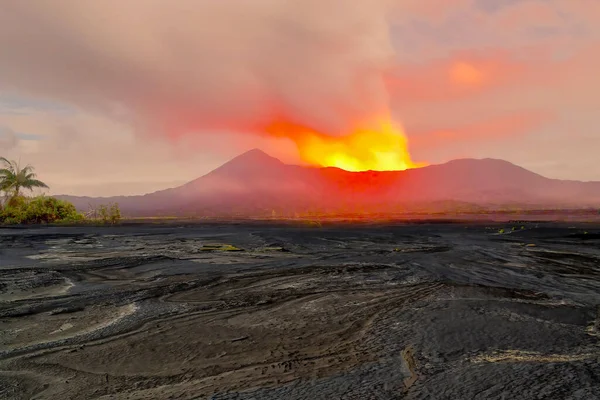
189,66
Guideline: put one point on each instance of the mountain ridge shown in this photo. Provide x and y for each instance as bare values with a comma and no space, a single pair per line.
255,183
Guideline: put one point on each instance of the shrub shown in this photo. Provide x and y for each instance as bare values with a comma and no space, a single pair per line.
16,202
14,211
50,209
12,214
103,212
115,213
42,209
110,213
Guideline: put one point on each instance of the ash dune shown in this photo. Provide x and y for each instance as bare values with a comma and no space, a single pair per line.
254,184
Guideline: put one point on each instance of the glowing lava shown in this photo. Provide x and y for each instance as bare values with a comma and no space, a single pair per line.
382,147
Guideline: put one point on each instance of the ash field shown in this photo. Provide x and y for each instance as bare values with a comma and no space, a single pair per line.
259,311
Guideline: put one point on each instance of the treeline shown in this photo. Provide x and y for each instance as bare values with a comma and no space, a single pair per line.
16,208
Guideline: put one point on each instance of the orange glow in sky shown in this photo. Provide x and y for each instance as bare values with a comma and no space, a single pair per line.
467,74
383,147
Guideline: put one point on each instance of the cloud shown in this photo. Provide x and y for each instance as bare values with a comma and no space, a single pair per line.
500,128
8,139
464,77
197,65
86,153
458,75
496,5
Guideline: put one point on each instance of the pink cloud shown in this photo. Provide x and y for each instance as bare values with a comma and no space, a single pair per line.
461,74
498,128
195,71
202,65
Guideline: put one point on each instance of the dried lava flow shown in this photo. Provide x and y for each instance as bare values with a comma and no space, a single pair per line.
379,146
298,313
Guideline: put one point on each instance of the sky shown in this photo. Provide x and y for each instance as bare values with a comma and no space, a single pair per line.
111,97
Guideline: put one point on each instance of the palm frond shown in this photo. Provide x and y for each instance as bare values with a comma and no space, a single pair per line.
6,185
26,169
33,183
10,165
13,177
31,175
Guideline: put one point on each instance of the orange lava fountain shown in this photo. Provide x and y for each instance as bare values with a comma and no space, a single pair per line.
382,147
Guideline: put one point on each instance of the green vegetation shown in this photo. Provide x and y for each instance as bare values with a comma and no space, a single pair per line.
15,208
38,210
513,229
107,213
220,247
13,178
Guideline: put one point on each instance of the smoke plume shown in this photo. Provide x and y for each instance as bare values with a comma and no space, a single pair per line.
192,66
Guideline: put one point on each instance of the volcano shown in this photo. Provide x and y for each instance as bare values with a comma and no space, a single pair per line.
255,184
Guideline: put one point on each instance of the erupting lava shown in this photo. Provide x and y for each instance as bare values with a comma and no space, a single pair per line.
384,148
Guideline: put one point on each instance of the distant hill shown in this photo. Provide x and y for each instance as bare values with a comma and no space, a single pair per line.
256,184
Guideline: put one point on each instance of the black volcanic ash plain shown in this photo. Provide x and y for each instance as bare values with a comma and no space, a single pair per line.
257,311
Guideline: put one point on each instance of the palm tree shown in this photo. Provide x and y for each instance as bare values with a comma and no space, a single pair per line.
13,178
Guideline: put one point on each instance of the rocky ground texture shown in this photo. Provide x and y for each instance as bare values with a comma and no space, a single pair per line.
256,311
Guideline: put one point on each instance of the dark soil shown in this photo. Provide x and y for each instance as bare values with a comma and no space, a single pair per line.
252,311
